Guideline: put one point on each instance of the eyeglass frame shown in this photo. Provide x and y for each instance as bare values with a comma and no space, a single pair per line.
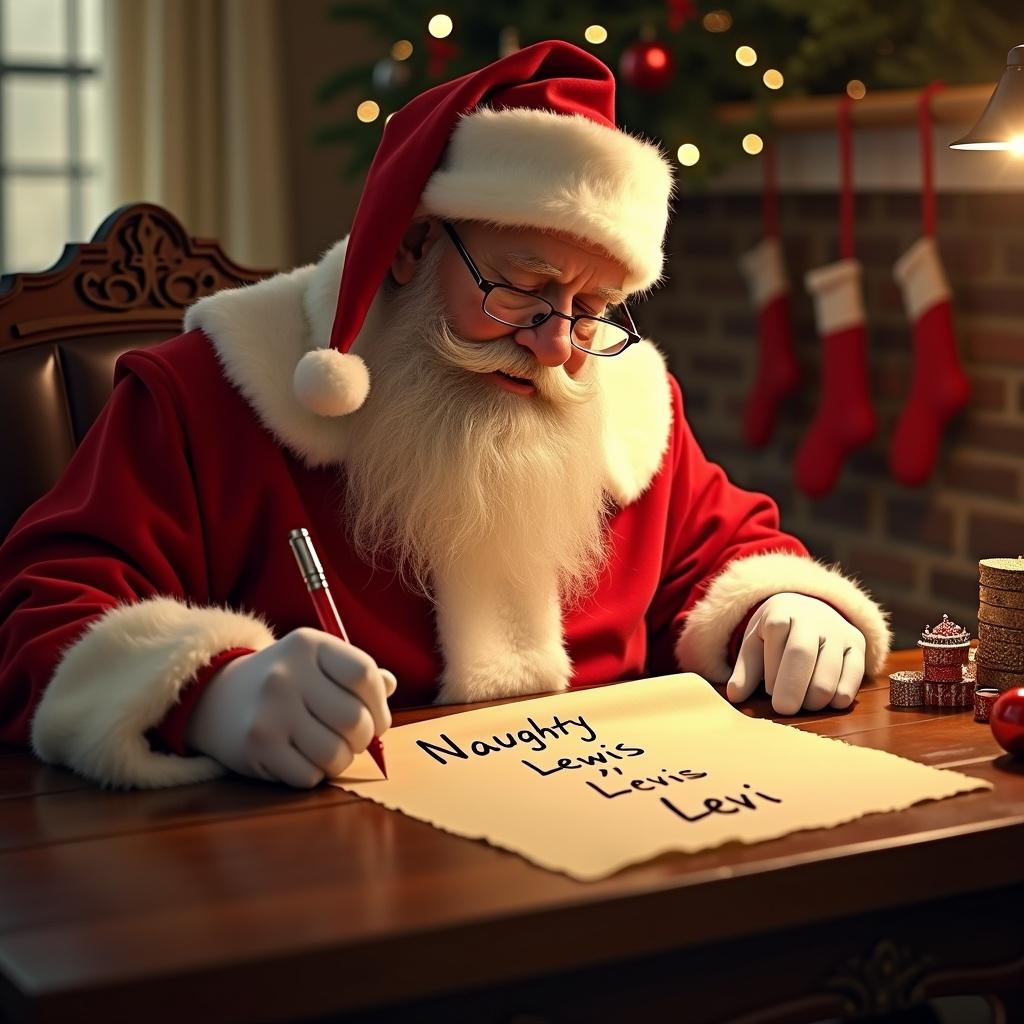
486,286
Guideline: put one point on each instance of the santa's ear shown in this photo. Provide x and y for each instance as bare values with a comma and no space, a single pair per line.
419,238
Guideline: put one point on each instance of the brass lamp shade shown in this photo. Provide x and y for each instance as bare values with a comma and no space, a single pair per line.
1001,125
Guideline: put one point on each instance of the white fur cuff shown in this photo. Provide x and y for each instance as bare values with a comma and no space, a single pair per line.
121,678
765,271
921,277
703,646
836,291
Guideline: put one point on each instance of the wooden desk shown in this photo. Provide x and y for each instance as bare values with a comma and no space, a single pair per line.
232,901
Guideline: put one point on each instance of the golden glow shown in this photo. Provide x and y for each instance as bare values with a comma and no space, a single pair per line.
440,26
388,118
402,50
752,144
773,79
856,89
718,21
596,34
688,154
1016,145
367,111
746,55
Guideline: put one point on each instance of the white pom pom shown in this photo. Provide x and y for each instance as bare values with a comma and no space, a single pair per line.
331,383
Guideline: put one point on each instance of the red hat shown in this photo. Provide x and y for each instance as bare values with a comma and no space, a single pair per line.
529,141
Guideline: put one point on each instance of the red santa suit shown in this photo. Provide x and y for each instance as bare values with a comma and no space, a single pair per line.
165,545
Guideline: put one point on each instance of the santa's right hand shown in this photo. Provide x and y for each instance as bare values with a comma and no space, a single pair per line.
296,712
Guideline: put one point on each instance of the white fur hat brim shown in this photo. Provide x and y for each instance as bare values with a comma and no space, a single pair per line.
535,168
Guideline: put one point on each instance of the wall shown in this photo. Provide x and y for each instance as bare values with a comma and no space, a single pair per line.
315,47
917,549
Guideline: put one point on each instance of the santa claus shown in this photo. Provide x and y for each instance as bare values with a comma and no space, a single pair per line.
516,505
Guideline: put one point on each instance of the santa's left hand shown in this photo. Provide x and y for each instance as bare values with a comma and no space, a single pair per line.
808,655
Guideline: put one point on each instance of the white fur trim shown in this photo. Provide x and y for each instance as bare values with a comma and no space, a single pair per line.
765,271
261,333
921,277
534,168
121,678
703,645
500,639
636,418
836,290
331,383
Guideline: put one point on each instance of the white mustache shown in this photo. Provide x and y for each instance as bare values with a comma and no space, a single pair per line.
503,355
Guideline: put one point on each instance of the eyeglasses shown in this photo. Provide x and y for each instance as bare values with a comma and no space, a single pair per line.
595,335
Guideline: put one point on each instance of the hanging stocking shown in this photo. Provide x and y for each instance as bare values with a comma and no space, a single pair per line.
938,387
777,369
845,419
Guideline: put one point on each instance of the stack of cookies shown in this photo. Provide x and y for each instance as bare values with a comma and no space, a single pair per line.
1000,654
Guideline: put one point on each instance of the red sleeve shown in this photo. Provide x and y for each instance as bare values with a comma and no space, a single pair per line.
169,735
711,522
121,524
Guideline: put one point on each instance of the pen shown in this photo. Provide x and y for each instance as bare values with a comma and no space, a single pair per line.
326,610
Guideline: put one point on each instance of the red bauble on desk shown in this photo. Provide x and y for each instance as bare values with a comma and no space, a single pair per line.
1007,721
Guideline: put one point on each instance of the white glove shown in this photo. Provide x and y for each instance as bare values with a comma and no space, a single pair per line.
296,712
808,655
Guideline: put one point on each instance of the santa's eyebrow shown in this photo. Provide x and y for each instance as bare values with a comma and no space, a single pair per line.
533,264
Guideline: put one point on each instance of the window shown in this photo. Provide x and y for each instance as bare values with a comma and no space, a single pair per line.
51,127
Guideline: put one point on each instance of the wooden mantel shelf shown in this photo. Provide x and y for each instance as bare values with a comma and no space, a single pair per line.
890,108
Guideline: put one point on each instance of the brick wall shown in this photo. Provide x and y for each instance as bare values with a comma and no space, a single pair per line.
916,549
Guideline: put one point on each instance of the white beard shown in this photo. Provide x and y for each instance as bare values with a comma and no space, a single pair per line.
444,465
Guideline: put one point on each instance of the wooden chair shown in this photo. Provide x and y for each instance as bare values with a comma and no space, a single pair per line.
62,330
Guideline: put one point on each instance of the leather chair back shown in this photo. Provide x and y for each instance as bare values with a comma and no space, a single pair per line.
62,330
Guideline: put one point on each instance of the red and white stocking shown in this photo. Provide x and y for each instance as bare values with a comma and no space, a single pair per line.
939,386
777,369
845,419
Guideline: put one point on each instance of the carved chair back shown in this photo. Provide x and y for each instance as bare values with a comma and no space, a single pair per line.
62,330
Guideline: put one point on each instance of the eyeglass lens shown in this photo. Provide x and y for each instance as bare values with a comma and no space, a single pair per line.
519,309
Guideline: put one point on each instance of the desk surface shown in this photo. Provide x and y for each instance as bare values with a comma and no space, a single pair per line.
275,904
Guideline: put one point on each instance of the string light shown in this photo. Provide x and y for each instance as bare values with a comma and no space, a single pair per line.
595,34
746,55
856,89
717,21
752,144
402,50
688,154
773,79
440,26
368,111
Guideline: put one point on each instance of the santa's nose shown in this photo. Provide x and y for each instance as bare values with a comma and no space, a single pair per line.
548,342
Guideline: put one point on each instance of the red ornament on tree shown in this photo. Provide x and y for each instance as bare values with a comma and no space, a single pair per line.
647,65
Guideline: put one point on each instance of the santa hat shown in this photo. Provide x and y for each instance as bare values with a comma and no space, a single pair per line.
527,141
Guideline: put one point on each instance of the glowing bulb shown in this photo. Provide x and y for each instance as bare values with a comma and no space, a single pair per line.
1017,145
595,34
856,89
773,79
746,55
717,21
439,26
367,111
752,144
402,50
688,154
